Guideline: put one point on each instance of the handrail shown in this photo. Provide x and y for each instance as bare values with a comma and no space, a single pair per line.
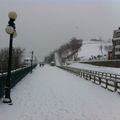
16,76
107,80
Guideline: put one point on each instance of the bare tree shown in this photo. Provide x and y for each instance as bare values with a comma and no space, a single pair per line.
16,58
67,50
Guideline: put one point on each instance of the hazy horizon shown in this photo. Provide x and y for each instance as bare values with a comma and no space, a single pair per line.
44,25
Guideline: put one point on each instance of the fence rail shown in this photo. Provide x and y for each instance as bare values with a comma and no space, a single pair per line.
16,76
106,80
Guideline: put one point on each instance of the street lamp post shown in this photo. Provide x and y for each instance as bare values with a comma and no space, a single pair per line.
10,29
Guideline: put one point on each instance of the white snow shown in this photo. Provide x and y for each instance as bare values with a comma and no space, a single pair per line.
96,68
57,59
103,85
50,93
91,48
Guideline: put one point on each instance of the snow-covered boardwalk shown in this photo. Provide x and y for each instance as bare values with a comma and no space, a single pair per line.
50,93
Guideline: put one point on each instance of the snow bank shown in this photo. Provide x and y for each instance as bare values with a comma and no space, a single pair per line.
96,68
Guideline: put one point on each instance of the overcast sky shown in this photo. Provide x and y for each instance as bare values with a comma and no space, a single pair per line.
44,25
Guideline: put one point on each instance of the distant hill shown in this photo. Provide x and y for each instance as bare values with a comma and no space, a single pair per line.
91,48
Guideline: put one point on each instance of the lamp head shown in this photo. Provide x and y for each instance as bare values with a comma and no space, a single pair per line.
12,15
9,30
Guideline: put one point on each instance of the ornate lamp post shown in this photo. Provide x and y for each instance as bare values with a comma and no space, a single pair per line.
10,29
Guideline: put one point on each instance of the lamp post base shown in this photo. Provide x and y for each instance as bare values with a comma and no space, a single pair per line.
8,101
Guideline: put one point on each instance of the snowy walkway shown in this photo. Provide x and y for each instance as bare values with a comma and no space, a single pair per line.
50,93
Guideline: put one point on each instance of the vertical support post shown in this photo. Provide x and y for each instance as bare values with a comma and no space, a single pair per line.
31,60
8,80
12,32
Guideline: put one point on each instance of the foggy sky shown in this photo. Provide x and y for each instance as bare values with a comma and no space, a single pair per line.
44,25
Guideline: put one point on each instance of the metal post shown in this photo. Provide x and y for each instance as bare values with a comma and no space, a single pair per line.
11,31
8,84
101,47
31,60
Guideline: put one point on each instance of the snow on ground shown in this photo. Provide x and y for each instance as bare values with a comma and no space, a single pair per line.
96,68
50,93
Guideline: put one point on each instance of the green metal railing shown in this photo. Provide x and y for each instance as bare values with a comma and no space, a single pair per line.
16,76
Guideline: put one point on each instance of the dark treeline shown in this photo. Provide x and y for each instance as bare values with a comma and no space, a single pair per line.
17,54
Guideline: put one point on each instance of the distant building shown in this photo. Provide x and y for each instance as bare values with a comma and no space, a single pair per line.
27,61
116,44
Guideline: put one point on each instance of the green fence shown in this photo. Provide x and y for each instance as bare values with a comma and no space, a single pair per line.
16,76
